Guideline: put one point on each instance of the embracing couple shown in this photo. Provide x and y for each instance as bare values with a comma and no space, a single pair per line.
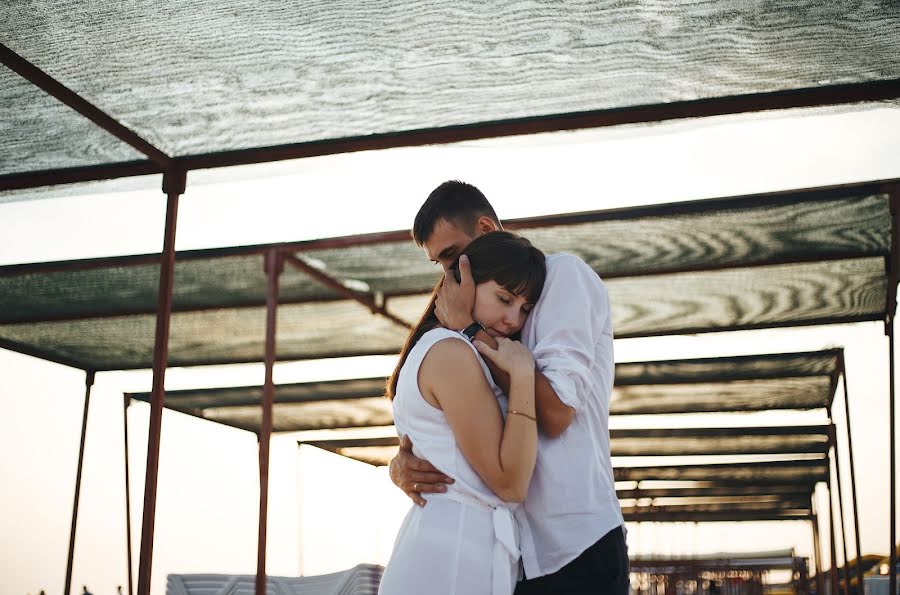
501,397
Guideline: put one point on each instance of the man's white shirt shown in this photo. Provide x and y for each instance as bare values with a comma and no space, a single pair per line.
571,500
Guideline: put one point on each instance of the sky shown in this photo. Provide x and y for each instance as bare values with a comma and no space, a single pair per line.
327,513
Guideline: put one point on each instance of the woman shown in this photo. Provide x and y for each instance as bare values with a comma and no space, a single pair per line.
466,540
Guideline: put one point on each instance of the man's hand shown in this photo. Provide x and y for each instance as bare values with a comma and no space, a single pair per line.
455,301
416,476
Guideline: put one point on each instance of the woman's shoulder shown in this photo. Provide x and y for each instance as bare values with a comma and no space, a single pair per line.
443,340
449,363
441,343
440,339
439,334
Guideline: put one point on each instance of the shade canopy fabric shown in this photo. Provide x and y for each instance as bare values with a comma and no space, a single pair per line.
643,442
219,85
776,472
791,381
725,511
306,406
768,490
805,257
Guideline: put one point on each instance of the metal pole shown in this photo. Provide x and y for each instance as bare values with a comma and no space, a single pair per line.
273,270
173,186
126,400
893,267
832,545
817,551
892,569
859,570
89,382
832,435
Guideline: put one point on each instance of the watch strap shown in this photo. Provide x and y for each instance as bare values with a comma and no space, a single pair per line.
470,331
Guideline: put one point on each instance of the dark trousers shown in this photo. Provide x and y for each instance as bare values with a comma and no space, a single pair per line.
602,569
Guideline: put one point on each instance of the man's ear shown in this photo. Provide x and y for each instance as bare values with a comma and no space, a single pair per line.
486,225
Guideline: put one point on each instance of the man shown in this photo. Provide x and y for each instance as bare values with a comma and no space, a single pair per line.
573,540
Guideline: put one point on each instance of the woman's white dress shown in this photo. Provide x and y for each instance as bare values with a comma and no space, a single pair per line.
466,540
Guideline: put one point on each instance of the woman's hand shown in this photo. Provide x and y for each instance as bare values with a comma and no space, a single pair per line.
510,356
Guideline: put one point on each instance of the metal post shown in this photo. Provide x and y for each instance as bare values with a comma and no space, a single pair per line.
859,570
126,400
89,382
817,551
892,571
173,186
832,545
273,270
832,436
893,270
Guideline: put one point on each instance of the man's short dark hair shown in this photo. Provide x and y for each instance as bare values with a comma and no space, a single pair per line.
459,203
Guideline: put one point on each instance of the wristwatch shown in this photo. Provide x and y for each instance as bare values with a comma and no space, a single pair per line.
470,331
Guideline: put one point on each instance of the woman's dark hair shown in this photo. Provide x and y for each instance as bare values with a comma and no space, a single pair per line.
509,260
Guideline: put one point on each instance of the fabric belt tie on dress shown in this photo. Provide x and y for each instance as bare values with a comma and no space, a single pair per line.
506,552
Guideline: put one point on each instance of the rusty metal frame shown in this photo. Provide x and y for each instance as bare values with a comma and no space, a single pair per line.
836,471
842,366
75,175
790,491
893,266
641,516
89,383
126,401
832,541
273,266
173,186
366,299
817,545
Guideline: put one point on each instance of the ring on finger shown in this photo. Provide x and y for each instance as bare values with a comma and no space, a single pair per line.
416,486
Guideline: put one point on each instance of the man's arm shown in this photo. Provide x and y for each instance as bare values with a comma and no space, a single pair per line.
571,331
453,308
416,476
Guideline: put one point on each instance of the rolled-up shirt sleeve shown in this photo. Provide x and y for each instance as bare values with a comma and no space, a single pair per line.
567,326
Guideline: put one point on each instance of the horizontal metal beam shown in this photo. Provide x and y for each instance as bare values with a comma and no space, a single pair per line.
737,562
42,354
355,389
74,175
330,282
335,445
713,517
708,491
814,430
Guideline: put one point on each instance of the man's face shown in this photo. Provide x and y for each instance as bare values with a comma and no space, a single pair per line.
446,243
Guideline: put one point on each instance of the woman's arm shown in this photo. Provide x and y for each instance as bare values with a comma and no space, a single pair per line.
502,453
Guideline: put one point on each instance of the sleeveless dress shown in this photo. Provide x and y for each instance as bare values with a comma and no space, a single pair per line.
465,541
